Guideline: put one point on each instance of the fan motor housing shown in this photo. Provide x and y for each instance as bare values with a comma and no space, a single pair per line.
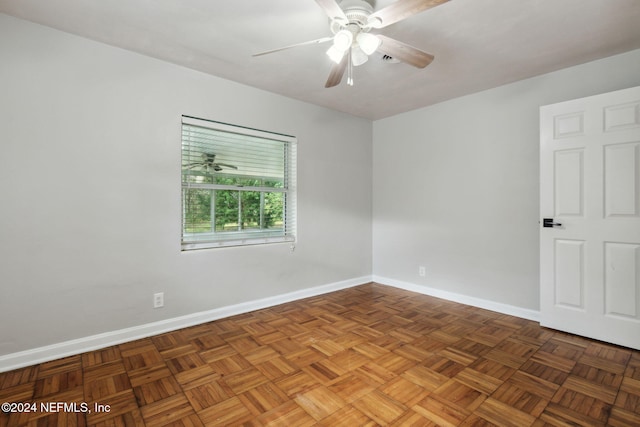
357,11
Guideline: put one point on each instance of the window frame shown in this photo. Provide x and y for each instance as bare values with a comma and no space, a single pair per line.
216,239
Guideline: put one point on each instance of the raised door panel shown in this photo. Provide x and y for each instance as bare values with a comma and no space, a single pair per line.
569,273
622,279
622,180
569,182
568,125
622,116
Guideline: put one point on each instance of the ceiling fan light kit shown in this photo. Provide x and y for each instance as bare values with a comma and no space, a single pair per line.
342,41
358,56
351,21
335,54
368,42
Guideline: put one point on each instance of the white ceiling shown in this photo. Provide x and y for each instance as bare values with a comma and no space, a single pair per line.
478,44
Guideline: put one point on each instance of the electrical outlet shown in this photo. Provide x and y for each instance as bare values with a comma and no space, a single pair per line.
422,271
158,300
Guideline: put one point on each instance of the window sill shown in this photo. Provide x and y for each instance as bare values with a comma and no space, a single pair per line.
235,241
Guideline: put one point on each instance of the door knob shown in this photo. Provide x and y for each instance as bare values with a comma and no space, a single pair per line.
548,223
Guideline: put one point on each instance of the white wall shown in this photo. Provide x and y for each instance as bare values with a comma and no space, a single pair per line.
90,191
456,185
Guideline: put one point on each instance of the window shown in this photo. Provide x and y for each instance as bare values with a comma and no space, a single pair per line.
238,185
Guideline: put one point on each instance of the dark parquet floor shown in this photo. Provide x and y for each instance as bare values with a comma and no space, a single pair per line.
365,356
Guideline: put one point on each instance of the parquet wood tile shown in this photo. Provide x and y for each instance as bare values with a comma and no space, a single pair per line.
196,376
122,403
352,387
319,402
411,419
348,416
285,415
557,415
544,372
628,397
324,371
365,356
230,364
521,399
482,382
380,407
276,368
444,365
154,391
229,412
208,394
425,377
166,411
440,411
395,363
247,379
620,417
502,414
263,398
376,373
297,383
404,391
633,367
571,401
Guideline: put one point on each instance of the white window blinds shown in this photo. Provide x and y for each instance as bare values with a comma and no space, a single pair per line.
238,185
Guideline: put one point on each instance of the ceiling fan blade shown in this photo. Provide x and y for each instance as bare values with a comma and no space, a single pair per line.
336,73
226,165
404,52
333,10
400,10
322,40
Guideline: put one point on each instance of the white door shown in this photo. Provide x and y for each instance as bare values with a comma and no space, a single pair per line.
590,184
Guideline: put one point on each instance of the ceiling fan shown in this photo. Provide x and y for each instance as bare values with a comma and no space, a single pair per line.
208,164
351,22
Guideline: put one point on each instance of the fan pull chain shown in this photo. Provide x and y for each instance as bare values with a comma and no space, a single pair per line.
349,69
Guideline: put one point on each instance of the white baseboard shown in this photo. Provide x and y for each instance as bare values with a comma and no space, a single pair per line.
47,353
511,310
